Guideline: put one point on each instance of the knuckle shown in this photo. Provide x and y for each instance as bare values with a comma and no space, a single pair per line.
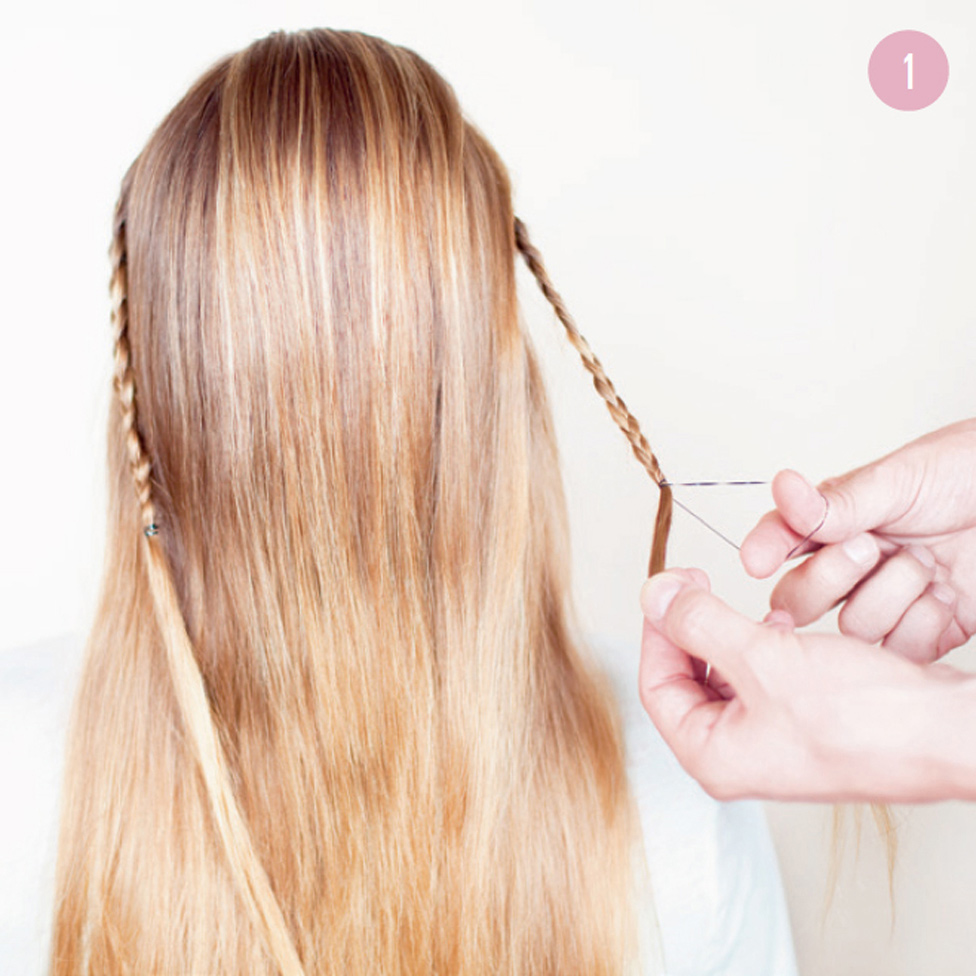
926,616
819,589
852,622
844,499
919,566
833,572
849,491
813,587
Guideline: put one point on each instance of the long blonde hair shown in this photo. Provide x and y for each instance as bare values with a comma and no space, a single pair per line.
335,716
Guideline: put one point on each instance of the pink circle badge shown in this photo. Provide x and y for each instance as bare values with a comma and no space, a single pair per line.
908,70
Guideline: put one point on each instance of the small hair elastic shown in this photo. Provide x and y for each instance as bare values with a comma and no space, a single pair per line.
151,529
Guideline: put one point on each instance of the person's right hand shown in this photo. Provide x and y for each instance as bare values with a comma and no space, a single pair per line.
897,545
816,717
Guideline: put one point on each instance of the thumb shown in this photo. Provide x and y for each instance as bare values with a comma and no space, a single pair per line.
805,516
839,508
697,624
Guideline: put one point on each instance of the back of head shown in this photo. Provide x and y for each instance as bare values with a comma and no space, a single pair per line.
333,717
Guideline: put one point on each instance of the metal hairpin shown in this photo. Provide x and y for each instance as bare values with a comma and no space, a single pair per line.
736,484
707,484
820,525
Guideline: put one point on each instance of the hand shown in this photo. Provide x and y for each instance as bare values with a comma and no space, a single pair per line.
897,545
801,717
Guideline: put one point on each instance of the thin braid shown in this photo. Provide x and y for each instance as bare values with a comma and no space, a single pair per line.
249,875
125,385
622,416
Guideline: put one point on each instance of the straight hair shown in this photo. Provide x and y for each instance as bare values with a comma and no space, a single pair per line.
335,715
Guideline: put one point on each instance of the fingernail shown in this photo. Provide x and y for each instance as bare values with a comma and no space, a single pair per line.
923,556
657,593
781,619
861,549
944,594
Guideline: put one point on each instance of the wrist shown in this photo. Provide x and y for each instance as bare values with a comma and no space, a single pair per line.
915,740
952,719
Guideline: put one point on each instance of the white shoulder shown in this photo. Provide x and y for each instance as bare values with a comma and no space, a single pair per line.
37,685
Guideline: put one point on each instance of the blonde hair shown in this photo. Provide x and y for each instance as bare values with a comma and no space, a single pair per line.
335,716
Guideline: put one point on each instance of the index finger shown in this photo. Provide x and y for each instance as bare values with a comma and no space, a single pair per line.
768,545
799,522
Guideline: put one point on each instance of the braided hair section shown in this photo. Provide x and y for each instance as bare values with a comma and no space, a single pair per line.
622,416
125,386
250,877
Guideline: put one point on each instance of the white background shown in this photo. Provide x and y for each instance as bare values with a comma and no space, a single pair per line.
774,267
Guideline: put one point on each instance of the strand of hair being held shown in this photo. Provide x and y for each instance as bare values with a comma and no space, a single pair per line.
626,421
622,416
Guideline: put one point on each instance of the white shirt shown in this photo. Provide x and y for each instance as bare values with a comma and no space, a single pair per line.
717,893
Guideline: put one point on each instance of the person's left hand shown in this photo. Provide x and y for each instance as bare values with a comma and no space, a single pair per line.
791,716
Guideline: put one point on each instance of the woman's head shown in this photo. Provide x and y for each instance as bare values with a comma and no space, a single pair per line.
342,719
321,302
321,292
